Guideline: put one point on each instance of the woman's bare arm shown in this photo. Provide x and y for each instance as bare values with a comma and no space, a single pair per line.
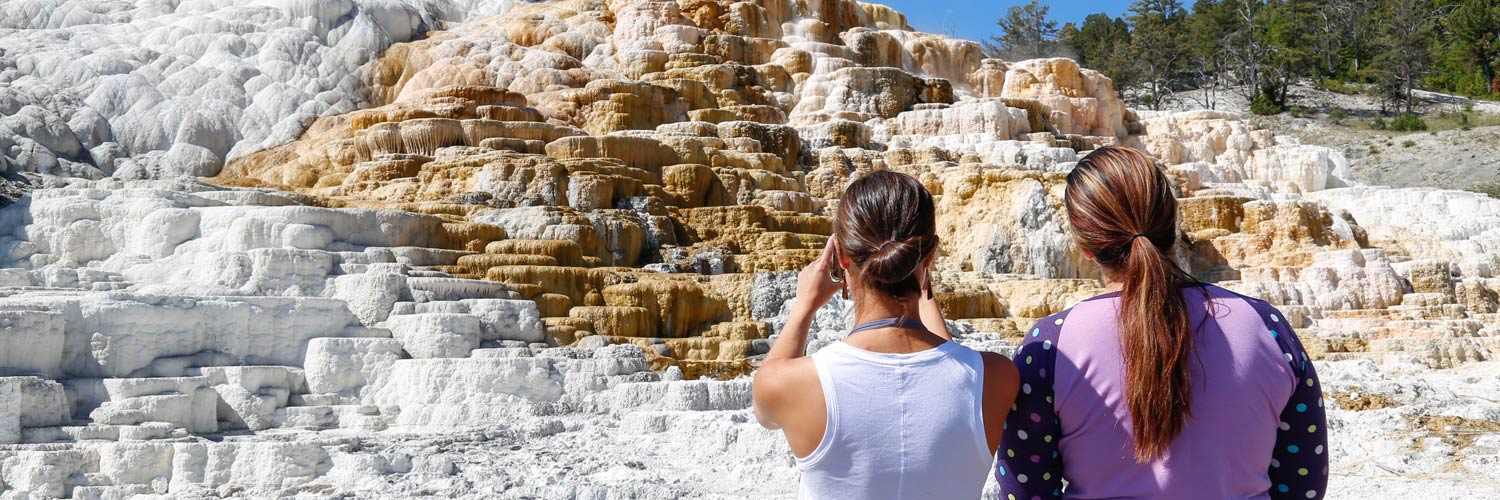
770,385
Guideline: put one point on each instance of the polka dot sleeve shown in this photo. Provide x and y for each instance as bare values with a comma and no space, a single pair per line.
1299,464
1028,465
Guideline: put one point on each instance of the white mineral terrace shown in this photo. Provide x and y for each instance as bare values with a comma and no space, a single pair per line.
382,249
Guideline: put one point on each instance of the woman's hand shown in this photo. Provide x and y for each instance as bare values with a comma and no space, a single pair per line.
815,285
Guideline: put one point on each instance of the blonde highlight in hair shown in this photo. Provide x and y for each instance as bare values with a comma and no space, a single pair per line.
1124,213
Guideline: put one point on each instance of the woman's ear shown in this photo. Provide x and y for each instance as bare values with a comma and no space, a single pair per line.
932,256
1086,254
838,251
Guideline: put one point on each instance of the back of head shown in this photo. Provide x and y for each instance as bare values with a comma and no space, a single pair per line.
885,227
1124,213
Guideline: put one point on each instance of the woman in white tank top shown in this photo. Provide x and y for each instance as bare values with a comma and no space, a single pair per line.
896,410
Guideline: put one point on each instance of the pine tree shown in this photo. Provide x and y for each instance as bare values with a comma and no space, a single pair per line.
1103,44
1209,47
1406,54
1247,46
1350,26
1065,36
1476,26
1026,32
1291,47
1157,44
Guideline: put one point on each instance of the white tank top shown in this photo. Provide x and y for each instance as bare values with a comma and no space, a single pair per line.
900,426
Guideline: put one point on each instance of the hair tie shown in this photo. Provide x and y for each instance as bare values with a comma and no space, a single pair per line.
1140,235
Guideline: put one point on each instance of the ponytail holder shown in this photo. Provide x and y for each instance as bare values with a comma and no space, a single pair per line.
1140,235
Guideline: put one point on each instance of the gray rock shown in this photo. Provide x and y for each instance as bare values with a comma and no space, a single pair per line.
770,292
105,155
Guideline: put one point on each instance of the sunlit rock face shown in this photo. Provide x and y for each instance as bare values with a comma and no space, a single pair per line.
90,89
1219,151
319,248
1080,101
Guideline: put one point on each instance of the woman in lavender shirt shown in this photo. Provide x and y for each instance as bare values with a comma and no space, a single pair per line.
1164,388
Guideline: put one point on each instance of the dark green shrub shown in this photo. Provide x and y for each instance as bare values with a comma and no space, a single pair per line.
1265,106
1408,123
1337,115
1407,144
1339,86
1379,123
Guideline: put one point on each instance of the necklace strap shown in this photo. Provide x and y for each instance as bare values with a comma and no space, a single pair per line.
887,323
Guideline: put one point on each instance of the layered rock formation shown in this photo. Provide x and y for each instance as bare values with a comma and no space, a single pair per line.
559,237
156,90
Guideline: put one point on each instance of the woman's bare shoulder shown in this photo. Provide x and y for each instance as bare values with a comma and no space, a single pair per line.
781,375
996,364
1001,378
780,387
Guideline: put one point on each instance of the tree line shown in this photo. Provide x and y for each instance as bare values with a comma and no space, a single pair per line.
1165,49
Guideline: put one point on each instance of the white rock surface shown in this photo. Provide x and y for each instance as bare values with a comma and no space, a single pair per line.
154,90
1227,151
1455,226
435,335
346,366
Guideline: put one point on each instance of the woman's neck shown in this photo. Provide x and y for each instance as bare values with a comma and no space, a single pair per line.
1114,280
870,306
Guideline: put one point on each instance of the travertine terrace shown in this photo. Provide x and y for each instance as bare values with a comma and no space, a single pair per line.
535,251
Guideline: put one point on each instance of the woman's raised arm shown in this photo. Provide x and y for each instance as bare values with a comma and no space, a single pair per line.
815,286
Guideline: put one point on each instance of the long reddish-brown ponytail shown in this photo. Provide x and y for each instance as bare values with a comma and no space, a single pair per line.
1124,213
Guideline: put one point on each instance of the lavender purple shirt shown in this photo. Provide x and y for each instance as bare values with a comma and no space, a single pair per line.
1257,429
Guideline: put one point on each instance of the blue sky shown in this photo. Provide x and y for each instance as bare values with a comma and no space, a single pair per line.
975,19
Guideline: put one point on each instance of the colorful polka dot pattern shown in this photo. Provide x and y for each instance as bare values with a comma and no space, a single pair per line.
1299,463
1030,466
